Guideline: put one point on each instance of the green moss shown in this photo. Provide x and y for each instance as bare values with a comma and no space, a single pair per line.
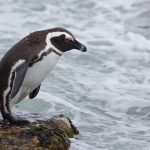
49,137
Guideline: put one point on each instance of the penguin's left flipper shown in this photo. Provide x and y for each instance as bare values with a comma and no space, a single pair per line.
34,92
18,76
20,73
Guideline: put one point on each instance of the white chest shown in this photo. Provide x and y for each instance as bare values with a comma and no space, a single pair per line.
35,75
38,72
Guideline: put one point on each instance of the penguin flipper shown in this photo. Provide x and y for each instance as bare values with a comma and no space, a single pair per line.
20,73
34,92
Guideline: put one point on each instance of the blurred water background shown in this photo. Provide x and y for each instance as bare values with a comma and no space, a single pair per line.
106,91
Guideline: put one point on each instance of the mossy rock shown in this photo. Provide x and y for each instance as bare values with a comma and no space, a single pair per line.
52,134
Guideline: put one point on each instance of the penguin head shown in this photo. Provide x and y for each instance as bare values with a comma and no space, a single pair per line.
62,40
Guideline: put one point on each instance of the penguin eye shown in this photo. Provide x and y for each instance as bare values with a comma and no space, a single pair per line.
68,40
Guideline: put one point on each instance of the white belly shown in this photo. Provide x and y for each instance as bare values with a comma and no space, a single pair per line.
35,75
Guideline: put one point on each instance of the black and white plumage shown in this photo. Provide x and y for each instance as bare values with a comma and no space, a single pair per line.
27,63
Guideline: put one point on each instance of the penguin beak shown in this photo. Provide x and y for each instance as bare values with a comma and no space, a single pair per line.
77,45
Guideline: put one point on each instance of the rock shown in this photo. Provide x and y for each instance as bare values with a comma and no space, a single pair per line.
52,134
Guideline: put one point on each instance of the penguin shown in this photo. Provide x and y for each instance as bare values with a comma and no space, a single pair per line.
27,63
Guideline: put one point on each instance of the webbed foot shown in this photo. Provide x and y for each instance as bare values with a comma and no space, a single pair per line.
15,121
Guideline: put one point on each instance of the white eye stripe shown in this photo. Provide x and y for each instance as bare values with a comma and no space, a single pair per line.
55,34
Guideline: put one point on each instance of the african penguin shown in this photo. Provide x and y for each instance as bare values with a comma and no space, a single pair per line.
27,63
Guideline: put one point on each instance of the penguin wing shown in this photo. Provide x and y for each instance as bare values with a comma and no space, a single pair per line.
34,92
20,73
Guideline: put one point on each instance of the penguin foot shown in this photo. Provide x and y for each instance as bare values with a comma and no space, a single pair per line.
15,121
19,122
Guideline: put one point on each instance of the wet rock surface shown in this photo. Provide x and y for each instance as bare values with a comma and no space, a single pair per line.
52,134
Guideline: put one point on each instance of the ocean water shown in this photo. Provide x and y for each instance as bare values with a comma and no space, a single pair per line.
105,91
